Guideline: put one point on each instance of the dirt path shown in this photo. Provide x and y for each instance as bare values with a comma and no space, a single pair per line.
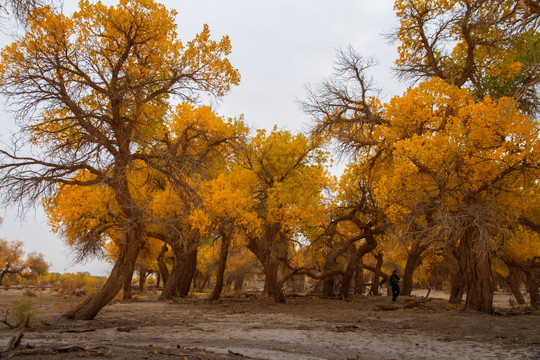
302,329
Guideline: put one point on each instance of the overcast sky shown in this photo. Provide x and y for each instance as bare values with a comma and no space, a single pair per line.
279,47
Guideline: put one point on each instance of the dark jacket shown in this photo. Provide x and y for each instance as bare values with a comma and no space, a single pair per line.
394,280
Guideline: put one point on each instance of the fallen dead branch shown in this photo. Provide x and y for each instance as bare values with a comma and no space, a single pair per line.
56,350
516,310
14,342
410,305
77,331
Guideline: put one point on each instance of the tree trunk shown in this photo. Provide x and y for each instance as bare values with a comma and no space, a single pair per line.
458,288
274,286
479,284
270,267
127,287
376,274
2,275
329,283
531,281
458,281
224,251
239,282
123,267
359,287
349,273
181,276
163,270
513,281
413,260
158,279
357,255
142,278
204,282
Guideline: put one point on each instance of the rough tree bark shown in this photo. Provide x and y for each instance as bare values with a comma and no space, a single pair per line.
163,270
359,286
181,276
357,255
513,281
532,283
224,252
479,283
125,264
270,264
127,287
376,274
239,282
143,274
414,258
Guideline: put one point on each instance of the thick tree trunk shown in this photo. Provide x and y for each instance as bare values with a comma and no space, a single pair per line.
222,264
357,255
413,260
123,267
532,283
2,275
142,278
376,274
127,287
513,281
270,265
458,288
479,284
239,282
163,270
181,276
347,278
158,279
329,284
359,286
275,287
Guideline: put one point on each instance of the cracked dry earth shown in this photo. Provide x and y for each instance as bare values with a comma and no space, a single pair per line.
306,328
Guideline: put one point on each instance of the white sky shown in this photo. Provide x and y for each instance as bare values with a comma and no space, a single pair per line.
279,46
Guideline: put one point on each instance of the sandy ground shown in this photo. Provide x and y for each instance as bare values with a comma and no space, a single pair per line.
306,328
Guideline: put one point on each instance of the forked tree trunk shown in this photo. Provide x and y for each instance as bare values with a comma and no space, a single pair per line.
222,264
181,276
123,267
479,284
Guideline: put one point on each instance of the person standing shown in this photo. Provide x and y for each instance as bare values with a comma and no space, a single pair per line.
394,283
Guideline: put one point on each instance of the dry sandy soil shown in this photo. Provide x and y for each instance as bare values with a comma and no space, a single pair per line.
306,328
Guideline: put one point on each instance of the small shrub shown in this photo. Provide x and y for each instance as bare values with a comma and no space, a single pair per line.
25,311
